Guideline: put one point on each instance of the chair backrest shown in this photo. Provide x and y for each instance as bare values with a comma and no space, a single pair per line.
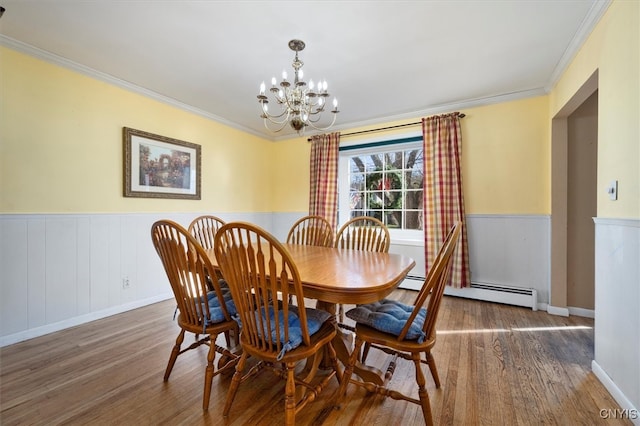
434,283
311,231
204,228
186,264
261,276
364,233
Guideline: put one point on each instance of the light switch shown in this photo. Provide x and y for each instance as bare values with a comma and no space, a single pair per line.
612,190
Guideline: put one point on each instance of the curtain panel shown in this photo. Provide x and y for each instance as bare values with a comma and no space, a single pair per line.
442,197
323,184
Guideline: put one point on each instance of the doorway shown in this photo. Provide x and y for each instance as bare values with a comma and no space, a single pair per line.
574,203
582,206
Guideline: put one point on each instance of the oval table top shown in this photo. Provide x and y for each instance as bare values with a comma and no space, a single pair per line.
346,276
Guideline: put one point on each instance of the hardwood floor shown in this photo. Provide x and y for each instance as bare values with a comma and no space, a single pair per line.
498,364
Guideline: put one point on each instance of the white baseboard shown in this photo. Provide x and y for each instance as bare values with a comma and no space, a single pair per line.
628,410
581,312
555,310
72,322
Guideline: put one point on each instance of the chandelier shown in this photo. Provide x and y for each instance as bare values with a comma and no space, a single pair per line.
300,104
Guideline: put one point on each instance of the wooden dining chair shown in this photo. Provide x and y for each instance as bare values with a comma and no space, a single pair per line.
204,228
261,275
362,233
311,230
405,331
205,307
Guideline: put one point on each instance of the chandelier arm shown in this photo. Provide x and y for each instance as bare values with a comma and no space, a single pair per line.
274,118
316,112
310,124
284,123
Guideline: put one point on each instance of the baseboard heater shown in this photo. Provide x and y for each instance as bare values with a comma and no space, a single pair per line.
527,297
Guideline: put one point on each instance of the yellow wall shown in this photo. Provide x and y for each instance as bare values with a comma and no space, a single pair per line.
612,49
505,155
291,175
61,146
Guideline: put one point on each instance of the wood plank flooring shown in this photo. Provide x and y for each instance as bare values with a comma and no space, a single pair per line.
498,364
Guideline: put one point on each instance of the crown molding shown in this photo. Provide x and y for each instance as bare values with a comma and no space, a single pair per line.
589,22
107,78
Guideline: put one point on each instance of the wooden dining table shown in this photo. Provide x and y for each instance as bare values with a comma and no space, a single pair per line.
342,276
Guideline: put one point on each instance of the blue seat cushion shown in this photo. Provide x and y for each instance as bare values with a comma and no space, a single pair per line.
315,319
215,310
390,316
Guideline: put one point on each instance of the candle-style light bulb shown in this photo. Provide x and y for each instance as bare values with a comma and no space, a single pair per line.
311,85
284,75
273,81
335,103
262,88
300,74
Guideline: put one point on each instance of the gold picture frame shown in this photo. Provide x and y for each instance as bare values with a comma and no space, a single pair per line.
156,166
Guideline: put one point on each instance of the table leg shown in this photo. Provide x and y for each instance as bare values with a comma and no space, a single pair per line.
343,345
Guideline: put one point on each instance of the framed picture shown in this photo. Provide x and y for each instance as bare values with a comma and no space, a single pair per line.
160,167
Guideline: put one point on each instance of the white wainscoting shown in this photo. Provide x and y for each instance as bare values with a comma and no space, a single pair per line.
617,309
511,251
61,270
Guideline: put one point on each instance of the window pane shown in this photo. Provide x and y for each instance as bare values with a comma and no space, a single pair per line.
413,220
394,160
393,199
373,162
355,201
416,179
393,180
393,219
356,165
375,200
413,200
375,213
357,182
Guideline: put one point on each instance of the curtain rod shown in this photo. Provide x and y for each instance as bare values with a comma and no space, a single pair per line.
383,128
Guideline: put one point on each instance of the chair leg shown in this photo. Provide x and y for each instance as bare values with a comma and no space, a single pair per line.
434,371
235,382
333,359
227,338
208,376
348,371
174,355
290,395
422,391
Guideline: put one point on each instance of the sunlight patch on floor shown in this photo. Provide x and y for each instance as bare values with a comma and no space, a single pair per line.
505,330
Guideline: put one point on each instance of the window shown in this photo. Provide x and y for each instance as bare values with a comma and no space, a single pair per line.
384,180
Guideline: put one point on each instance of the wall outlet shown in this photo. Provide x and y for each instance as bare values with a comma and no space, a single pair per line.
612,190
125,283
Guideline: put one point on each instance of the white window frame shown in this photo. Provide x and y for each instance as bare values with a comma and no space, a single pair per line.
404,236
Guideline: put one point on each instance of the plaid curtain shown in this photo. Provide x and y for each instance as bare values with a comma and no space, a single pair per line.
442,196
323,184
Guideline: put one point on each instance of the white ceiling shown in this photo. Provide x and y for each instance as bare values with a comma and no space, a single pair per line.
383,60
